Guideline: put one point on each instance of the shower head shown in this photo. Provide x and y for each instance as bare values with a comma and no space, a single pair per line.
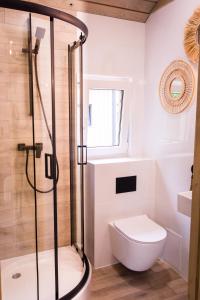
39,34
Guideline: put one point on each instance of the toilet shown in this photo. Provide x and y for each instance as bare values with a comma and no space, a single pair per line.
137,242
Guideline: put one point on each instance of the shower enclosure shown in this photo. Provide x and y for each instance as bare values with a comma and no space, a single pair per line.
42,154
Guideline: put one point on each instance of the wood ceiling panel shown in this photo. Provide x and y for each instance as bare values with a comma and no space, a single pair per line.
110,11
135,5
133,10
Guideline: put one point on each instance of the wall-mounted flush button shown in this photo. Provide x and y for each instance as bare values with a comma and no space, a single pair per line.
126,184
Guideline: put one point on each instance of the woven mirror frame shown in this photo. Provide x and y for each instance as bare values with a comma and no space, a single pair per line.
177,87
191,44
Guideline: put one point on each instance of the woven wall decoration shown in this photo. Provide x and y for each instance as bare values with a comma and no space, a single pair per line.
191,37
177,87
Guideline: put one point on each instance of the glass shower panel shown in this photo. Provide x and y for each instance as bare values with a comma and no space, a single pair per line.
78,150
17,199
43,137
64,34
81,152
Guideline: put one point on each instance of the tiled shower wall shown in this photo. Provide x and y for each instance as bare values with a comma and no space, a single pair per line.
17,210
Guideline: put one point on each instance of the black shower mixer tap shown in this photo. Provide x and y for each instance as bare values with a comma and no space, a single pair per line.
38,147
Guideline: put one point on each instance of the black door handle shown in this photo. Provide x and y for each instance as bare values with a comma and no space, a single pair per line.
48,166
82,155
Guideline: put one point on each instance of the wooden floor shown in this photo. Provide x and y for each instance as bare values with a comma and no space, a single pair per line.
117,282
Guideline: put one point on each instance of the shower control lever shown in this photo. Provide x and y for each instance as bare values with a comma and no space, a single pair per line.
38,147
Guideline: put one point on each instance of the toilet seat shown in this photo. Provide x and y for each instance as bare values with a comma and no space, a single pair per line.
140,229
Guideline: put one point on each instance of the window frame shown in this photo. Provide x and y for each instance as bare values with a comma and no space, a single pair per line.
109,83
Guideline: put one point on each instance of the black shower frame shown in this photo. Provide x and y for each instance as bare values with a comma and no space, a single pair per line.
52,14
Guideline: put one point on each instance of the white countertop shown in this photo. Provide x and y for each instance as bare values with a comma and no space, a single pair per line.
185,203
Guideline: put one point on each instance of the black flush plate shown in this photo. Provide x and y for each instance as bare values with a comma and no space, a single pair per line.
126,184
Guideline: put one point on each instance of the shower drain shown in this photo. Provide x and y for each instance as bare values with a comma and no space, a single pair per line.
16,275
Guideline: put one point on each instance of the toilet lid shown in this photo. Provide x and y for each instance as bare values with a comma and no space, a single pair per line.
141,229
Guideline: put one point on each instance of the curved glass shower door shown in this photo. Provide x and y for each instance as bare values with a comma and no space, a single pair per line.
28,205
46,161
18,201
41,154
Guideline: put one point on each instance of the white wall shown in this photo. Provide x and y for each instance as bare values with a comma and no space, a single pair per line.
169,138
142,52
117,48
172,177
166,133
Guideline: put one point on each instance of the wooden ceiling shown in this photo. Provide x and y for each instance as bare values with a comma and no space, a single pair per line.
133,10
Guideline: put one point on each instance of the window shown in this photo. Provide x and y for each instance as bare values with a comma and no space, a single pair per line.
104,117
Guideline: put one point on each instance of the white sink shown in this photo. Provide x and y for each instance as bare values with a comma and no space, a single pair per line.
185,203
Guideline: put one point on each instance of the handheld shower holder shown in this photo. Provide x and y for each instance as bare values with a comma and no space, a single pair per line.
39,35
34,51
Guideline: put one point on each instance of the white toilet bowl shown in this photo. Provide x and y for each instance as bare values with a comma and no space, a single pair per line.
137,242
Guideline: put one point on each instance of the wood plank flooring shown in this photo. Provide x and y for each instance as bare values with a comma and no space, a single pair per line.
117,282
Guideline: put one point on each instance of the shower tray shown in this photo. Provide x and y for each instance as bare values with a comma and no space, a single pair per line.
18,275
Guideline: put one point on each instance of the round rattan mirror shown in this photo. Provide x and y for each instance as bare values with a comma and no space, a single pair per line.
177,87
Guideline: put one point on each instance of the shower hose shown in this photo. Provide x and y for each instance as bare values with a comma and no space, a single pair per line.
48,130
